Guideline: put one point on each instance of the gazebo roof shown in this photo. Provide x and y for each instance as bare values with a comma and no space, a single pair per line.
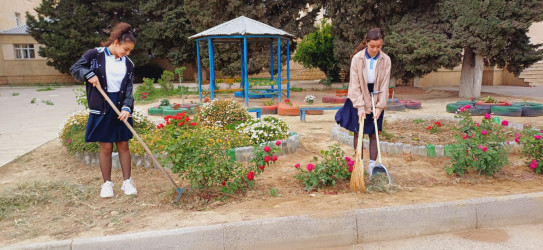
242,26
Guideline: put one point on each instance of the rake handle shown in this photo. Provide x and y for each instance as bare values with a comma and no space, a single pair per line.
138,138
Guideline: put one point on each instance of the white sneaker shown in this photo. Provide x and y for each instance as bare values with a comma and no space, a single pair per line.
107,190
370,168
129,187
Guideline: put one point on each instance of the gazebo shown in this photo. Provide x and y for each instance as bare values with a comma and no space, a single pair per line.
243,30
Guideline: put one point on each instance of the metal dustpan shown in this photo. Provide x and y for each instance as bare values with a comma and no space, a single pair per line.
379,167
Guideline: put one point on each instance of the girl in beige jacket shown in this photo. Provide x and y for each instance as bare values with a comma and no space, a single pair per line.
370,71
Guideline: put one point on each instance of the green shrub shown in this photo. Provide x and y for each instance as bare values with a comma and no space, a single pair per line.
479,146
532,147
179,72
221,113
266,129
334,167
165,82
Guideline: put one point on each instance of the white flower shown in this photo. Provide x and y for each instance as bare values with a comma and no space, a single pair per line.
309,98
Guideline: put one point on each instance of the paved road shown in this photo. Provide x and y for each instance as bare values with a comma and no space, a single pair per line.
25,126
502,238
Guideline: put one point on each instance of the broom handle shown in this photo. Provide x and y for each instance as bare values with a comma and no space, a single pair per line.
137,136
376,129
359,143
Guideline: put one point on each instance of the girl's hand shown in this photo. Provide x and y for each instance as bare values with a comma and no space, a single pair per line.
124,115
378,113
94,81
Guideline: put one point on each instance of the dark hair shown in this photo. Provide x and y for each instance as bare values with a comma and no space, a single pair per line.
373,34
121,32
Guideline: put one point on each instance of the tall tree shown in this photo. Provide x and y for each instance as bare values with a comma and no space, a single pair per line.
283,14
491,32
413,35
68,28
166,30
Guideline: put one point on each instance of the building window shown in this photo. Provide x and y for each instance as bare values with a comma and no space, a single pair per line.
17,19
24,51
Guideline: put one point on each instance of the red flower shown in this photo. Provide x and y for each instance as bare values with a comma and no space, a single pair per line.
274,158
187,119
267,158
251,175
193,123
485,149
159,126
438,124
429,127
333,177
261,167
223,183
297,165
278,143
180,124
287,101
267,149
310,167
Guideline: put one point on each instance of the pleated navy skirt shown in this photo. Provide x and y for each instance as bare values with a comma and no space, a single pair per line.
347,117
107,127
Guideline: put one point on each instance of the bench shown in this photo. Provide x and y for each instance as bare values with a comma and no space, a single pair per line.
304,108
257,110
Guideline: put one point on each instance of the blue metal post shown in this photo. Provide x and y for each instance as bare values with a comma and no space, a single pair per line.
242,67
245,71
211,68
271,60
288,68
199,69
279,69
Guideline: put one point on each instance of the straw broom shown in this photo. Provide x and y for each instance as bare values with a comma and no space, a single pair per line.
357,176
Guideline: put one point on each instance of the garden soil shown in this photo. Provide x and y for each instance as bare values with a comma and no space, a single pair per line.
65,202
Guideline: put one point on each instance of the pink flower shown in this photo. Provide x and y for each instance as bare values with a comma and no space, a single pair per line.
487,116
267,158
274,158
533,165
517,140
278,143
477,124
480,146
267,149
484,132
297,165
465,137
251,175
347,159
350,169
505,123
485,149
70,141
541,131
467,106
537,137
517,135
310,167
350,164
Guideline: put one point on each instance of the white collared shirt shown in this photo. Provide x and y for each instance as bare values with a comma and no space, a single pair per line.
115,72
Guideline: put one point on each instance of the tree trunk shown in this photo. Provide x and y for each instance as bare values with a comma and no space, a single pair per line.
471,76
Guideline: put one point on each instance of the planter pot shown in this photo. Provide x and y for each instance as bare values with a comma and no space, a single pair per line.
499,103
328,99
287,110
270,110
154,111
530,109
342,92
390,90
338,99
506,110
174,111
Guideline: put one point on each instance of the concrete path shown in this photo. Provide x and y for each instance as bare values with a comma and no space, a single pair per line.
25,126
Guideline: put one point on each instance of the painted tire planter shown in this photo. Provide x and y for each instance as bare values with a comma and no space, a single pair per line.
328,99
174,111
287,110
395,107
479,110
154,111
506,110
453,107
472,103
269,110
411,104
338,99
342,92
499,103
395,100
530,109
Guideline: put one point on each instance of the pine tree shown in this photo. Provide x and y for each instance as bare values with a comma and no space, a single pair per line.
491,32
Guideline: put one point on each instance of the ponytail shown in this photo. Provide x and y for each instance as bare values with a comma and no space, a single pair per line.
373,34
121,32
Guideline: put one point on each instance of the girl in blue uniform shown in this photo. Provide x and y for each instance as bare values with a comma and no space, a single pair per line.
109,68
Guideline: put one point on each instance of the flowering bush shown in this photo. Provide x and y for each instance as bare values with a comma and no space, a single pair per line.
221,113
266,129
334,167
146,89
532,147
434,128
479,146
309,99
164,102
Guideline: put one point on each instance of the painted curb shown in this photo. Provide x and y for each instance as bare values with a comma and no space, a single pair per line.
341,229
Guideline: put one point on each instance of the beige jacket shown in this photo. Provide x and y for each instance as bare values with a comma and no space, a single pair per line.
358,90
